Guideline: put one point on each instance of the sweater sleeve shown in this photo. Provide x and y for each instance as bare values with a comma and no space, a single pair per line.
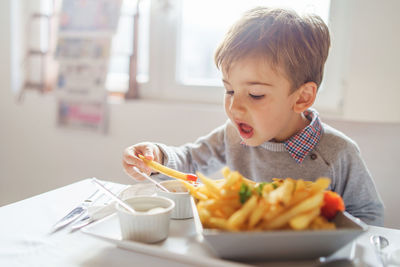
206,154
355,184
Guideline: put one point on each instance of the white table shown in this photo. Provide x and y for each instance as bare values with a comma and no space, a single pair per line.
25,238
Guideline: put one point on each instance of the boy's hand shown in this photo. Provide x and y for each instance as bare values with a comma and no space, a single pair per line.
131,159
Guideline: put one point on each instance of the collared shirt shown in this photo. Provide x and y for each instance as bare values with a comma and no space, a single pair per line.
300,144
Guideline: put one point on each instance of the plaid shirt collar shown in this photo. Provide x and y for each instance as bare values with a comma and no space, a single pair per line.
300,144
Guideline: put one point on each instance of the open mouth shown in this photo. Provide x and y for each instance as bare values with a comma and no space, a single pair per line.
246,131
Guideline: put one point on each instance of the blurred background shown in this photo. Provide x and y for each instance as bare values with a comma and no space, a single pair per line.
74,95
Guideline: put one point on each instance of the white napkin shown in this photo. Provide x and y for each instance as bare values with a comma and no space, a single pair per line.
99,212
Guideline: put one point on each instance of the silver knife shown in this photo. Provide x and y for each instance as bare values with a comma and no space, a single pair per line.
81,223
102,212
75,213
88,219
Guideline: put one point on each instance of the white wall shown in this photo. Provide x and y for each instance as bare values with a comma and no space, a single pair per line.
371,85
36,156
379,149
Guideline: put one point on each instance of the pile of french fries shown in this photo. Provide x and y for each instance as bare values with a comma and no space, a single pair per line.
238,204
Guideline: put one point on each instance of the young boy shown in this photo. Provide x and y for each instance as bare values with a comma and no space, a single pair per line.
272,62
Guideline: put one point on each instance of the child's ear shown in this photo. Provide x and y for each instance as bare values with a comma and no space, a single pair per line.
306,95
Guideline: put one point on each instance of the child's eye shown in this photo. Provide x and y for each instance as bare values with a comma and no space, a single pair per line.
256,96
229,92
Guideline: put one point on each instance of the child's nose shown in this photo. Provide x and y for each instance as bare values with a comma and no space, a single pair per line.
237,106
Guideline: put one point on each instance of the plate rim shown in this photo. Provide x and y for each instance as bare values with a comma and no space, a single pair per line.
157,251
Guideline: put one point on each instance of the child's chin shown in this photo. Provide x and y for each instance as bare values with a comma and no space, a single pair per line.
250,142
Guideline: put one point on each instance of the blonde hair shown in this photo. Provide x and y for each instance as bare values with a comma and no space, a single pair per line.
299,45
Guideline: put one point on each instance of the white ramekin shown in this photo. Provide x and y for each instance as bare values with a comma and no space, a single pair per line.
180,195
142,226
138,189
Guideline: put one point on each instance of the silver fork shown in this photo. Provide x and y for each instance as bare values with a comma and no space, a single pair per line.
86,220
75,213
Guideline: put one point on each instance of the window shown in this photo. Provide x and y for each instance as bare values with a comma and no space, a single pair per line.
122,45
178,39
199,37
33,39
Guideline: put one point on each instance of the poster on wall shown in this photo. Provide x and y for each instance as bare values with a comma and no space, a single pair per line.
89,16
82,75
83,52
70,48
87,115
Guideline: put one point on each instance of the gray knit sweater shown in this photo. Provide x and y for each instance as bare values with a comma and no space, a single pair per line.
335,156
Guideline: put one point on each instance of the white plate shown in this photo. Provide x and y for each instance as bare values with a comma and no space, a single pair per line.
282,244
184,246
184,243
181,245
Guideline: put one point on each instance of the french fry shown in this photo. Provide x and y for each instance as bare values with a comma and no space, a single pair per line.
298,197
194,191
200,196
320,184
257,213
322,223
204,214
218,213
282,194
231,179
210,184
300,185
219,182
164,170
209,203
216,203
304,189
227,210
219,223
249,182
277,181
267,189
302,221
281,204
229,194
273,212
225,172
240,216
205,191
306,205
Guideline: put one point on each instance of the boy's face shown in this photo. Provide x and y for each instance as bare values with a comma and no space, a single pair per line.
258,101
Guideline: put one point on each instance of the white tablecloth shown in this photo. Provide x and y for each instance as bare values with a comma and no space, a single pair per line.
25,238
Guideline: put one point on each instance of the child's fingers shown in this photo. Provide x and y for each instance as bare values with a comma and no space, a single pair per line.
129,155
149,152
131,158
137,162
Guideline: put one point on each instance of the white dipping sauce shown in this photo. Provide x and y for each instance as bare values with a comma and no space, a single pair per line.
155,210
152,210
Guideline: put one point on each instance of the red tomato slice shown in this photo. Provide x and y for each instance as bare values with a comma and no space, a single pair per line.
333,203
191,177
